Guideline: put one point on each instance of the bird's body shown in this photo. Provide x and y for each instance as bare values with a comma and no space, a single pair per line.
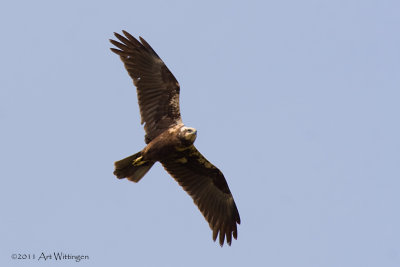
170,142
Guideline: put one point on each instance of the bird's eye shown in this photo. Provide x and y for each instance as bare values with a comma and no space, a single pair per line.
189,130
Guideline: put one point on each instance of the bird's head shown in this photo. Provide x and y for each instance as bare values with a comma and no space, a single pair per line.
188,134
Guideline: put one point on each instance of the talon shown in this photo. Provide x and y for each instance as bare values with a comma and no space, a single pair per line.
138,161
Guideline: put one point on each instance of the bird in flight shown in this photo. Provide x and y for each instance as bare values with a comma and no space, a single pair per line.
169,141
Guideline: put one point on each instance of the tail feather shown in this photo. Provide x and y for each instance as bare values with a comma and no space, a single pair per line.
124,168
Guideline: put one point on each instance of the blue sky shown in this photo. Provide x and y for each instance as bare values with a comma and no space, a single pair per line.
297,102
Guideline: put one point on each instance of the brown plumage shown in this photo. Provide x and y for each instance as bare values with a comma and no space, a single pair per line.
170,142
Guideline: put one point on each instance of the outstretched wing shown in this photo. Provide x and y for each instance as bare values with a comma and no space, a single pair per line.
157,88
206,184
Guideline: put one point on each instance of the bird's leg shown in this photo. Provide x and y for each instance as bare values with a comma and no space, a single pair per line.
139,161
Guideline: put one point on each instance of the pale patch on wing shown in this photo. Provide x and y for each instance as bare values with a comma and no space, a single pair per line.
174,102
202,160
181,160
182,148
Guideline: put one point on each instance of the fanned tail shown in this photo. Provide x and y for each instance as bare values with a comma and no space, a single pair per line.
133,167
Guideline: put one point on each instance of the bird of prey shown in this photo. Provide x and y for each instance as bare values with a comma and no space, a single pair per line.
169,141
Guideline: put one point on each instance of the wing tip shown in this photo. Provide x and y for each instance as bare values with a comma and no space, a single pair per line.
225,235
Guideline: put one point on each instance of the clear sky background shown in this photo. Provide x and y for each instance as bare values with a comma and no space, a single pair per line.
297,102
